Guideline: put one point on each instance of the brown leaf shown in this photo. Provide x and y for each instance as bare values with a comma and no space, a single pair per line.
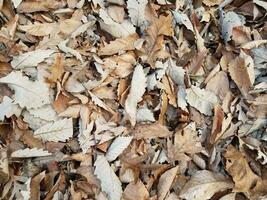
149,131
136,191
57,69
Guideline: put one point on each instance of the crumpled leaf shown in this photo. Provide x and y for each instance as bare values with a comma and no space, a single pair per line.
60,130
116,29
30,59
40,29
29,153
8,108
85,137
149,131
138,88
228,21
110,183
117,147
28,94
165,182
204,184
136,9
182,18
135,191
63,47
201,99
118,45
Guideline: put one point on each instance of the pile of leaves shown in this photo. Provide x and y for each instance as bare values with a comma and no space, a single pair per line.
133,100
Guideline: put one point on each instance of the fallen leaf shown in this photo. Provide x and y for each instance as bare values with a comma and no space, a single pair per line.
138,88
165,182
136,191
136,9
57,69
63,47
117,147
8,108
28,94
149,131
201,99
30,59
41,29
56,131
110,183
204,184
29,153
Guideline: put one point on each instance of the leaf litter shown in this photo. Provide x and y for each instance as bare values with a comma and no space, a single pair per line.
133,100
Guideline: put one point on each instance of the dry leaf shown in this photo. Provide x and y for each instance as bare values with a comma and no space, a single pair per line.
56,131
57,69
204,184
29,153
85,137
28,94
136,9
63,47
149,131
116,29
182,18
165,182
119,45
30,59
201,99
39,29
117,147
136,191
110,183
138,88
8,108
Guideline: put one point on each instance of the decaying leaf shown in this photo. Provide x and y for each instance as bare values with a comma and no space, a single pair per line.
136,191
201,99
8,108
30,59
29,94
138,88
136,9
39,29
110,183
55,131
29,153
117,147
151,131
204,184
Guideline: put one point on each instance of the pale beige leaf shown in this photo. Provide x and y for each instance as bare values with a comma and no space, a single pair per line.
28,94
165,182
8,108
30,59
204,184
56,131
116,29
136,191
110,183
201,99
29,153
39,29
16,3
182,18
136,9
63,47
149,131
117,147
85,137
119,45
138,88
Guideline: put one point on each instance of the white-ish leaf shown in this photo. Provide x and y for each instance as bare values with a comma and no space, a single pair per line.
30,59
56,131
117,147
29,153
201,99
110,183
165,182
16,3
33,122
28,94
63,47
115,29
136,9
138,88
263,4
26,194
46,112
203,185
144,115
39,29
182,18
228,21
8,108
85,137
99,102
